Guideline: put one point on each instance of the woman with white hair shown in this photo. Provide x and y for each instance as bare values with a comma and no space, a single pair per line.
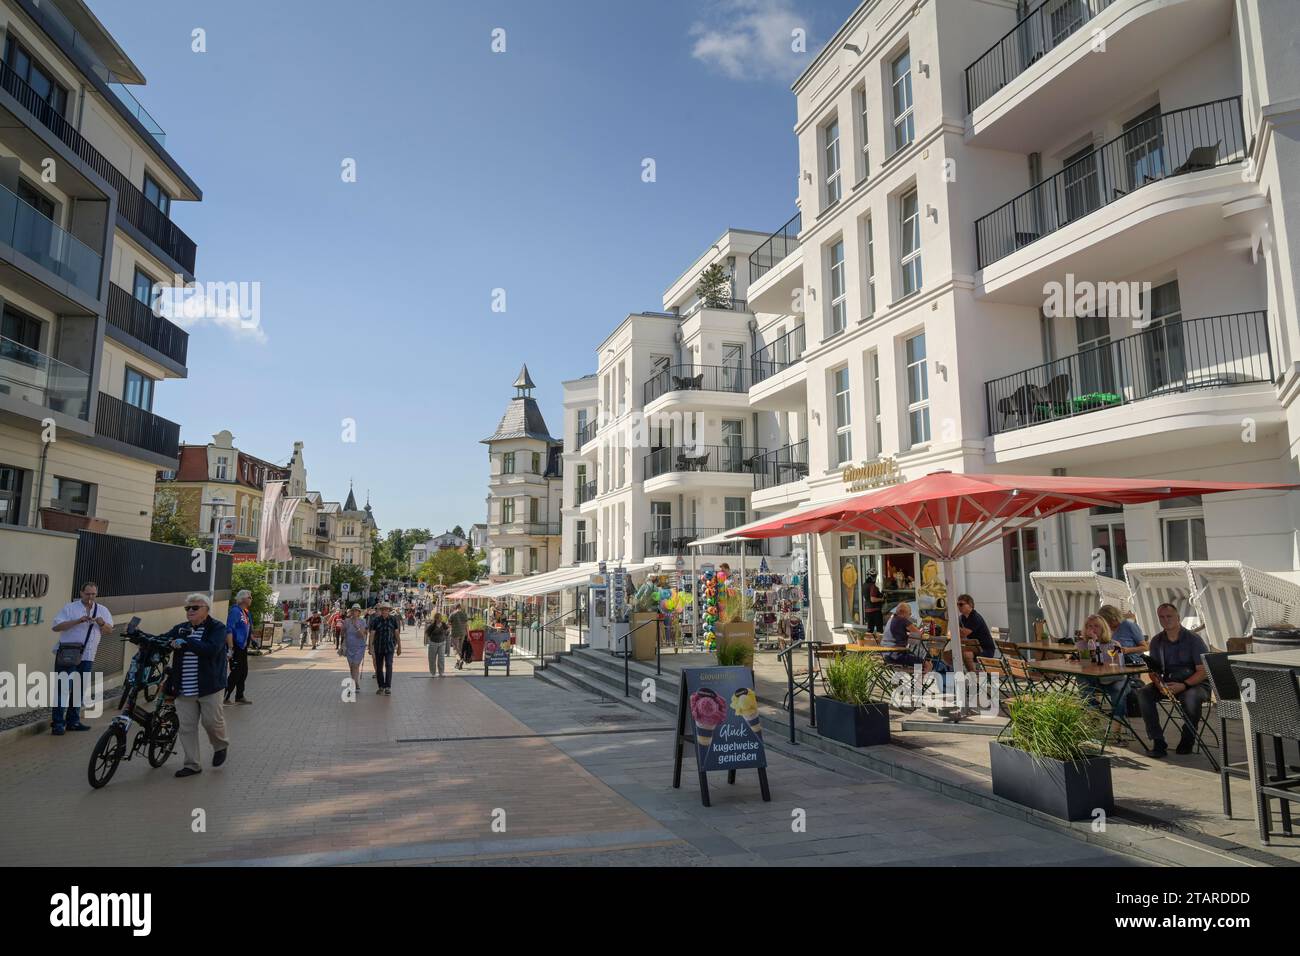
196,682
239,627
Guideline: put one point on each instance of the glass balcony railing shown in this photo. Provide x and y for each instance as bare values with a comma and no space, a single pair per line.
139,112
34,377
45,242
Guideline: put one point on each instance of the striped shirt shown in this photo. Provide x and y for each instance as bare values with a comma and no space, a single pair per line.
189,672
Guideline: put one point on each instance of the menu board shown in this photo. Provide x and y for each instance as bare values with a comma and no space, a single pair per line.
496,650
717,712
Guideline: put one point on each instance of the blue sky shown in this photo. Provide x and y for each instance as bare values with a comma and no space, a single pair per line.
475,170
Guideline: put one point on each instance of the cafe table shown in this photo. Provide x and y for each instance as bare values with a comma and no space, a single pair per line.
1291,661
871,648
1048,647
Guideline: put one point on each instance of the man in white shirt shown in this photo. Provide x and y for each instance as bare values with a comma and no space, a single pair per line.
80,624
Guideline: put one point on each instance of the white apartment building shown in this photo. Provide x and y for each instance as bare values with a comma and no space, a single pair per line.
524,488
662,444
1032,239
86,237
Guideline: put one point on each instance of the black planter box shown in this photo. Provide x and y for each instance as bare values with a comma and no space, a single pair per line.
1065,790
855,726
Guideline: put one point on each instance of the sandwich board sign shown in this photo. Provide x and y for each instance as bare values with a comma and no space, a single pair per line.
717,713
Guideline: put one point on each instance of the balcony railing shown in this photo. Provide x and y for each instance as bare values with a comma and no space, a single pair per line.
542,528
35,377
731,305
135,426
586,433
725,459
139,112
584,552
677,540
1171,144
586,491
1045,27
131,203
697,378
42,240
779,355
1173,357
136,319
776,247
782,466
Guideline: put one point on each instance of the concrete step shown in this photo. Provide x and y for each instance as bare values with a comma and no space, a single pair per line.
592,682
552,676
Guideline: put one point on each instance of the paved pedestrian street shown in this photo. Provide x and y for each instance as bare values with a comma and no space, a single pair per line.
474,769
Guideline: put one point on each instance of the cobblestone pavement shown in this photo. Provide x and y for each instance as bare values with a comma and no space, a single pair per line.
422,776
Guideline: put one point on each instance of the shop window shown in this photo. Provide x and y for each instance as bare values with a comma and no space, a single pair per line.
1182,529
1109,540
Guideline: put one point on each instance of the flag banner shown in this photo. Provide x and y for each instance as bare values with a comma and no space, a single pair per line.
273,541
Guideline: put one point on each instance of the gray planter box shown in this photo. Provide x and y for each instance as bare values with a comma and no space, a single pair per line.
856,726
1064,790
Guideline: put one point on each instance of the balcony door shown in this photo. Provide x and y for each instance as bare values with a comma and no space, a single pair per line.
1095,361
1020,560
733,445
733,368
1163,347
661,526
1080,184
1065,17
1143,149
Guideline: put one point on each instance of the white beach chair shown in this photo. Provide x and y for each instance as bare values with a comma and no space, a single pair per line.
1232,600
1155,583
1068,597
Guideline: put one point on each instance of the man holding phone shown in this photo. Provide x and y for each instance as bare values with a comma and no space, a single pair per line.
80,624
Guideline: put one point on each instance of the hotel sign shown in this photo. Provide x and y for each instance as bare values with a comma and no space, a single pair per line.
17,586
875,474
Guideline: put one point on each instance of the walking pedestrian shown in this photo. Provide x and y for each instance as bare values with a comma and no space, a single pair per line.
314,623
385,641
238,628
354,643
336,624
196,683
459,623
80,625
435,635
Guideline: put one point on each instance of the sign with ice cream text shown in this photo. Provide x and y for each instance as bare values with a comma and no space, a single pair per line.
717,712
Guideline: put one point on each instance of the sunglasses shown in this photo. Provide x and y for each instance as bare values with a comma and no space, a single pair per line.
193,607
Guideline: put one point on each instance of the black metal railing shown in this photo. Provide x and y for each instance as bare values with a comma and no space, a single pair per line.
584,552
116,419
779,355
1043,28
586,491
136,319
697,378
1171,144
585,434
782,466
677,541
776,247
733,459
131,202
1216,352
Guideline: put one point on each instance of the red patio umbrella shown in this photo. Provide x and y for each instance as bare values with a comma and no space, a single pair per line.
946,515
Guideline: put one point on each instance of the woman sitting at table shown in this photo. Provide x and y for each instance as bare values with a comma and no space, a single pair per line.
1125,632
898,634
1097,630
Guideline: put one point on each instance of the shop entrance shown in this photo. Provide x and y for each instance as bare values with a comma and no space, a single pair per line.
1019,560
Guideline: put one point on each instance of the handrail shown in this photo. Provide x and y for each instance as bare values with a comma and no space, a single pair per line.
765,361
775,247
787,654
541,629
725,459
627,654
696,378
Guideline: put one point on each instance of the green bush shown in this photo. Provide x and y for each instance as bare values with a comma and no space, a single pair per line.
1056,725
477,623
856,679
251,576
735,654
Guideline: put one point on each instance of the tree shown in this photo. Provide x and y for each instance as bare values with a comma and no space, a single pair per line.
446,567
251,576
353,575
381,559
714,288
400,543
167,526
459,532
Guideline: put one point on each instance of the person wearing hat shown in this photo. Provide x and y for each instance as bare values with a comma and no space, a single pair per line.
354,642
385,641
197,682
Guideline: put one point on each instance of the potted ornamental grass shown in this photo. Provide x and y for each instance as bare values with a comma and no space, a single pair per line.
735,655
855,709
732,626
1048,757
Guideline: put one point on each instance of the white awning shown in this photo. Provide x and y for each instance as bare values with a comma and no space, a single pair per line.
731,536
536,585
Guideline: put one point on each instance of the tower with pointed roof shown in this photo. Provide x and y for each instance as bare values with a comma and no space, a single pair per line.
524,487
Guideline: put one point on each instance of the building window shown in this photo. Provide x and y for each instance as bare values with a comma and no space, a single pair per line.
870,245
838,297
864,132
831,161
532,560
36,199
910,234
1110,539
72,495
1182,529
22,337
508,463
873,365
901,77
843,417
532,510
918,390
508,561
507,510
138,390
146,289
157,195
35,76
537,463
735,513
11,494
223,468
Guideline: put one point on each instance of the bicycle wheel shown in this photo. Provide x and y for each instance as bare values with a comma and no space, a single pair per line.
105,757
162,739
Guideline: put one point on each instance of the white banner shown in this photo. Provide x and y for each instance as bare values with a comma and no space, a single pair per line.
277,515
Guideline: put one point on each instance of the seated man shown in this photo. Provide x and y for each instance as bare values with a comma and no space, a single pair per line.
898,634
1175,660
972,626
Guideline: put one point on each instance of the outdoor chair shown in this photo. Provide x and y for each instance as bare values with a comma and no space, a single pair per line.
1057,391
1019,403
1173,709
1009,649
1227,705
997,667
683,462
1024,680
1274,709
1202,157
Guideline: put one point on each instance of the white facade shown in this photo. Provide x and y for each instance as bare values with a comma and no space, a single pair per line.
1157,142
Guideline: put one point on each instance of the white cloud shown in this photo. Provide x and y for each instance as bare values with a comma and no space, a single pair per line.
749,39
233,306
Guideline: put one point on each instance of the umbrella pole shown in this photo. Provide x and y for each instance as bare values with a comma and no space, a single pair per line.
954,631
